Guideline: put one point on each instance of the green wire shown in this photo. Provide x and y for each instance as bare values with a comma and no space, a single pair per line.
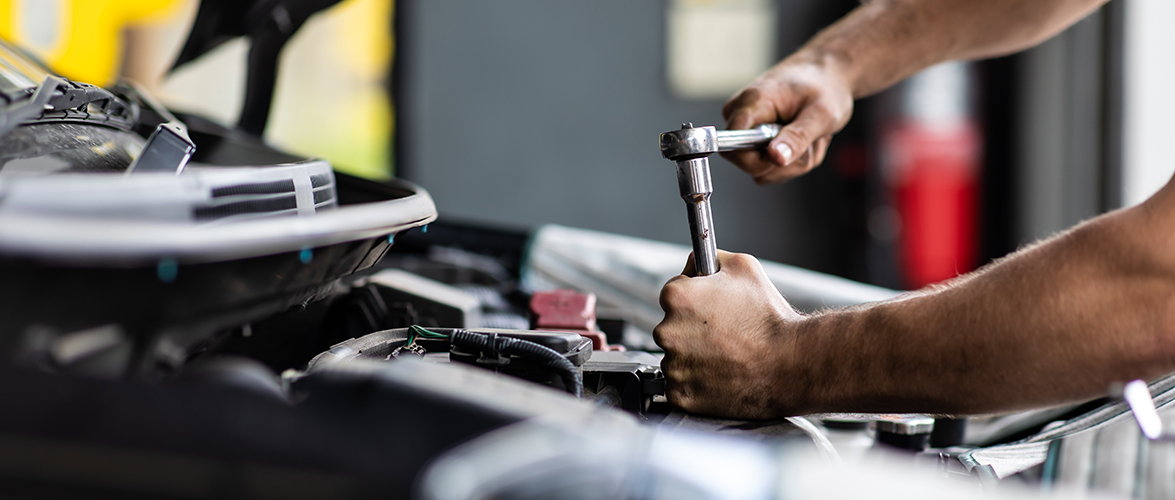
416,330
424,332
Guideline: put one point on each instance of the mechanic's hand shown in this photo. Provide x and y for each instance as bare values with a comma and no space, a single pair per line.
815,97
729,342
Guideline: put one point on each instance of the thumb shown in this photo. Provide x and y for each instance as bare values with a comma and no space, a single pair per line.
796,137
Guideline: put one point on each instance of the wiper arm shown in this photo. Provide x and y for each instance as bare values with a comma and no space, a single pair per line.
16,114
58,94
169,148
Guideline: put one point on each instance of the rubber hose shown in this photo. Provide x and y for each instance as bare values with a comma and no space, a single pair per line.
548,357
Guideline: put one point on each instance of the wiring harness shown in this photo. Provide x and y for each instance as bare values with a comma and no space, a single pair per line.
496,350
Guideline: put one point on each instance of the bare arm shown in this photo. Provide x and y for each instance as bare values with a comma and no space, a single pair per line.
1057,322
884,41
876,45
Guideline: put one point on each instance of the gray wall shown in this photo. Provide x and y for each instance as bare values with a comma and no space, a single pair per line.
1069,154
526,112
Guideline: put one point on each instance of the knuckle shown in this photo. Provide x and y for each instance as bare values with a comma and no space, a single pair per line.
824,108
844,109
830,115
796,136
740,102
751,94
731,107
679,397
668,293
673,294
743,261
663,339
672,372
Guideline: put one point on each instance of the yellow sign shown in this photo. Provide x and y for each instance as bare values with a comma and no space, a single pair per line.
80,39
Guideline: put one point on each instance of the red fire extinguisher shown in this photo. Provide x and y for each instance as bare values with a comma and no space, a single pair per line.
931,153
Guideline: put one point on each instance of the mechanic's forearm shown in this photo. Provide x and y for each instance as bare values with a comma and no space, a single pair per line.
1054,323
884,41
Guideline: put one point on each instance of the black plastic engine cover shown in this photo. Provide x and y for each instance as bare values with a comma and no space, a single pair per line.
357,429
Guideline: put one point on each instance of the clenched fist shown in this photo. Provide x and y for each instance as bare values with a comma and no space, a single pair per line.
731,343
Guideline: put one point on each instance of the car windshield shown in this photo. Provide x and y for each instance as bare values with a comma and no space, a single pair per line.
19,74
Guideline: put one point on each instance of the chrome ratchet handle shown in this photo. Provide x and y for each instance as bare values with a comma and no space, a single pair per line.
730,140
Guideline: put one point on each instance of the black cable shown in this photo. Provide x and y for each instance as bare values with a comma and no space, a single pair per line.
547,357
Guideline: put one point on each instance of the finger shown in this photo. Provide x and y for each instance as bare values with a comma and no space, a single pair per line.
748,108
821,150
783,174
746,117
779,162
755,162
813,122
777,176
690,268
804,164
812,158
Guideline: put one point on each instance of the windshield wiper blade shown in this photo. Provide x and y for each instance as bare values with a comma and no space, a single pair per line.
56,94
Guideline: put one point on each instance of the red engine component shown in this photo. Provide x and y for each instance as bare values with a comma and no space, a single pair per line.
568,311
